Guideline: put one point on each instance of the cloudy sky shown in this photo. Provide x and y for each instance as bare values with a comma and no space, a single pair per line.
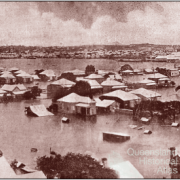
77,23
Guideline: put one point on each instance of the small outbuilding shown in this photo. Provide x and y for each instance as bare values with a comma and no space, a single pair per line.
65,120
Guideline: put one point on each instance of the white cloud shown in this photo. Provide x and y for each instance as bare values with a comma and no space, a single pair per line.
34,28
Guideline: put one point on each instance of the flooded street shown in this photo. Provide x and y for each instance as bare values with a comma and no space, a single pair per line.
20,133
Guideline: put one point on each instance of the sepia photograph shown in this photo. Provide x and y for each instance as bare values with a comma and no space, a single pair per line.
89,90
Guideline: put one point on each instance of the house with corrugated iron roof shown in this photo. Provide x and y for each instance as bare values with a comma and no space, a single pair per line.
76,104
7,78
109,83
99,78
47,75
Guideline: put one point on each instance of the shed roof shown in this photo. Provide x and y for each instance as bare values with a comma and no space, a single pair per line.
33,175
146,93
94,76
63,82
40,110
93,83
111,83
126,170
105,103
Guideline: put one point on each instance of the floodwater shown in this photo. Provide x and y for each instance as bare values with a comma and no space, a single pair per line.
20,133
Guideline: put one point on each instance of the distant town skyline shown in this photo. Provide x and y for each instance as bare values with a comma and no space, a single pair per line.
87,23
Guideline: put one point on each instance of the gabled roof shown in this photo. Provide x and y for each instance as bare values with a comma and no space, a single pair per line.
117,76
7,75
75,98
63,82
35,77
21,87
94,76
146,93
125,96
5,169
33,175
126,170
5,72
111,83
48,73
9,87
105,103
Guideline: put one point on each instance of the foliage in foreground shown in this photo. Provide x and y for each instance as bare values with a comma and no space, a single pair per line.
74,166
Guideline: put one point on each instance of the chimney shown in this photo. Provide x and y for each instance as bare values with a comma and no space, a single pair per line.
172,152
104,161
53,154
1,153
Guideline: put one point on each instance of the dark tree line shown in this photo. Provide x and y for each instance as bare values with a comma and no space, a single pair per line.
81,88
74,166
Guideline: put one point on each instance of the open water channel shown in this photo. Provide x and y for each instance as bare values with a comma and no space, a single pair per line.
20,133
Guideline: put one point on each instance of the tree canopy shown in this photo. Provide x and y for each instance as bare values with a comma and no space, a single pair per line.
90,69
82,88
69,76
61,93
74,166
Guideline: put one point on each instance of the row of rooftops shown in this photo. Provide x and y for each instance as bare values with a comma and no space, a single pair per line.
124,96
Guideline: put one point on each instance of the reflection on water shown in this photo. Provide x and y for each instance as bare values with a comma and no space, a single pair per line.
20,133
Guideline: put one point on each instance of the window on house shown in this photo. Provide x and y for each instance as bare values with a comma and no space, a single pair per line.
88,111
